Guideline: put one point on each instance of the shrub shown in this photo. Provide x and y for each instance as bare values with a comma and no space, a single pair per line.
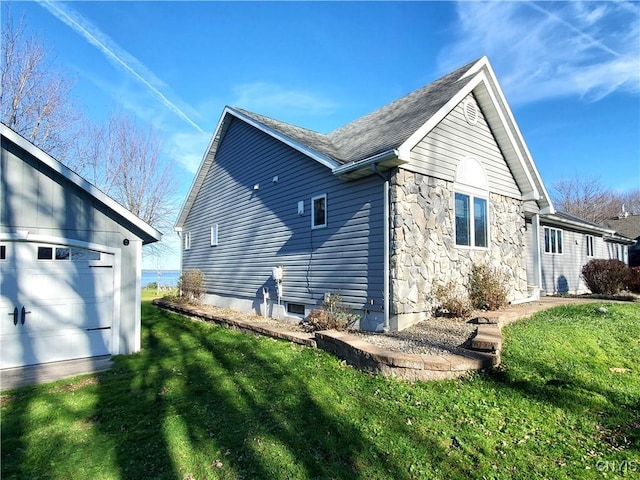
487,288
605,276
332,316
452,302
191,285
633,280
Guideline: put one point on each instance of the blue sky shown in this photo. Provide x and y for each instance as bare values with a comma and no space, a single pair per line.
569,70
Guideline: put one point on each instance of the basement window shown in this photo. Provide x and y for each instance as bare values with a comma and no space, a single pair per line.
45,253
295,308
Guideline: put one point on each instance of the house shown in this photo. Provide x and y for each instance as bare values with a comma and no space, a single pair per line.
567,244
629,226
381,210
70,258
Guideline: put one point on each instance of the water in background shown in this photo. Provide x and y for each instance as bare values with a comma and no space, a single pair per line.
167,278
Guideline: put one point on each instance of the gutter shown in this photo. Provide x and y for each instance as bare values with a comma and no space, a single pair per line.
386,261
371,162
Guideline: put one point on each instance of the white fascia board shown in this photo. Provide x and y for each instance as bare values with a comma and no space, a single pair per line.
516,130
323,159
80,182
511,132
205,163
559,221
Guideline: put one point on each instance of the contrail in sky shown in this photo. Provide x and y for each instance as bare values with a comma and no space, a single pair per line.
116,54
589,38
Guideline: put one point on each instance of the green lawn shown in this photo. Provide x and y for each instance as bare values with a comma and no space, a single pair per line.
205,402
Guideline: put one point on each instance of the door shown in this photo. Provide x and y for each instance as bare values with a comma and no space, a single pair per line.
56,303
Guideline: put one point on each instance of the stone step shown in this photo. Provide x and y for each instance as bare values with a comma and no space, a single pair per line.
488,339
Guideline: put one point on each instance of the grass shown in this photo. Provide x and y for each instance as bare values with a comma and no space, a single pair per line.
200,401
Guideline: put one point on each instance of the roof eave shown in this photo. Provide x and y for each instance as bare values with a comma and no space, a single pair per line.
148,233
362,168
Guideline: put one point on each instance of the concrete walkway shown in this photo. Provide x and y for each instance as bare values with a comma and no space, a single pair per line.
11,378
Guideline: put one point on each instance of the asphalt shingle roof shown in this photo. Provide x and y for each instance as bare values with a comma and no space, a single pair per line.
382,130
628,226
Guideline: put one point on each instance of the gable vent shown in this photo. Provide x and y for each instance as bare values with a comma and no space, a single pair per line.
470,112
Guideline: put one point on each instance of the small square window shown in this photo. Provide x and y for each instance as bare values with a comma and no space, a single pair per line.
319,211
214,235
45,253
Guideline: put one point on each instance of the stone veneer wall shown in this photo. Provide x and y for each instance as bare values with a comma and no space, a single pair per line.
423,251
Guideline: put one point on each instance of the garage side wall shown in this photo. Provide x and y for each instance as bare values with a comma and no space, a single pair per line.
40,201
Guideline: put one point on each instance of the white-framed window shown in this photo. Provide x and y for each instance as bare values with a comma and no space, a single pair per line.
319,211
589,241
552,240
187,240
472,225
214,234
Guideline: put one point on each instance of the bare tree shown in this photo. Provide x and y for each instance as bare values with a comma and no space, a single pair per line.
631,201
586,198
35,99
124,160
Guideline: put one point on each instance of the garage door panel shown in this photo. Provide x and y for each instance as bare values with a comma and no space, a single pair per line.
68,305
32,349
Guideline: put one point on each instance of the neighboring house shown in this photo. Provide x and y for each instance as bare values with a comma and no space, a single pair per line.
629,226
70,258
567,243
381,210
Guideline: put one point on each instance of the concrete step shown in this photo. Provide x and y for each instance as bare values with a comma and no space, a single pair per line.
488,339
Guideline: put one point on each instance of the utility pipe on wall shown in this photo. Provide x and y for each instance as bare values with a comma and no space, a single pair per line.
386,260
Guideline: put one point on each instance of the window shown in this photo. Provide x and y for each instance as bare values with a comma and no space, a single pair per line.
187,240
295,308
63,254
3,252
45,253
472,227
214,235
552,240
319,211
589,239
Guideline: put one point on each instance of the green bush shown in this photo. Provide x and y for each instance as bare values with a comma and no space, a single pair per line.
487,288
191,285
451,302
332,316
605,276
633,280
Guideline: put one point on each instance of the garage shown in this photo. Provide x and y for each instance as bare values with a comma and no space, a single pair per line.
57,303
70,263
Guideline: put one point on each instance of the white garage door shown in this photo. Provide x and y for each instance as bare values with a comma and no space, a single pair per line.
56,303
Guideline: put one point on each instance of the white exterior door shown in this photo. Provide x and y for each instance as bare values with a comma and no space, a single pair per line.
56,303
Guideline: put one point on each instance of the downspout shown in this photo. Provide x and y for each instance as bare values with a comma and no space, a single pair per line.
178,230
386,261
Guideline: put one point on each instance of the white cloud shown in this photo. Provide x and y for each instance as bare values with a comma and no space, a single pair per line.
265,97
546,50
188,148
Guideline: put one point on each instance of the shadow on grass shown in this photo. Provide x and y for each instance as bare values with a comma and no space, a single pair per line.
210,405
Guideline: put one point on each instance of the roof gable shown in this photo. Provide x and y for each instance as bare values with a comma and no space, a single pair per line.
385,137
146,232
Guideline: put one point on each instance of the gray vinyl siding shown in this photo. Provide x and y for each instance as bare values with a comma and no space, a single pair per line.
561,273
439,153
260,229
